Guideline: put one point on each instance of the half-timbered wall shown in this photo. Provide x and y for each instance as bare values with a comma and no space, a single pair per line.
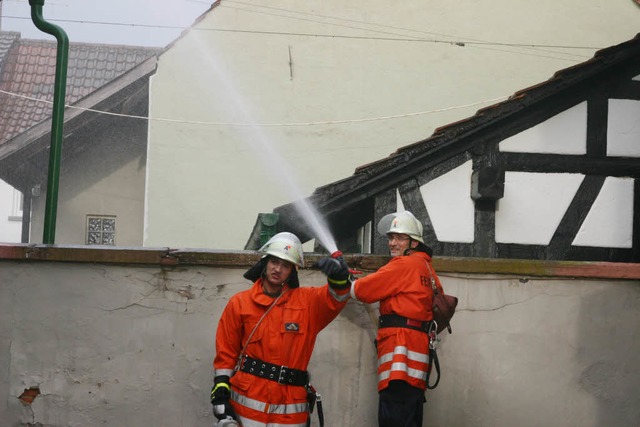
570,170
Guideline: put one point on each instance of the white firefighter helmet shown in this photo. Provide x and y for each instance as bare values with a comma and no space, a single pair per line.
285,246
402,223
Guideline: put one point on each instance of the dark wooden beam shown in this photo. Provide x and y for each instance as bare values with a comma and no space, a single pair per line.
574,216
561,163
385,203
626,90
597,114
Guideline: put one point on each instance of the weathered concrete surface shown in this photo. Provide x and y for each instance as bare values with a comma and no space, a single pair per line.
111,344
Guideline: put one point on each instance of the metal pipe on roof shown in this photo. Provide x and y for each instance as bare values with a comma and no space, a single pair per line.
60,85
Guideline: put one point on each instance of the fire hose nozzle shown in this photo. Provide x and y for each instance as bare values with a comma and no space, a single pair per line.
337,255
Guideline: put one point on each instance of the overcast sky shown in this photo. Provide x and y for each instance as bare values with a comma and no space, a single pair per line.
130,22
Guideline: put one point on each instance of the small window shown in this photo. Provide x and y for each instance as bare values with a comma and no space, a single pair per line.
101,230
364,238
16,206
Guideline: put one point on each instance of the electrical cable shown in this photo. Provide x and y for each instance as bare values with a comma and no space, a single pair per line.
327,122
459,42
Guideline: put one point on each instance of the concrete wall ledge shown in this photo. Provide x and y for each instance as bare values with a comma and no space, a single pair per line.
99,335
217,258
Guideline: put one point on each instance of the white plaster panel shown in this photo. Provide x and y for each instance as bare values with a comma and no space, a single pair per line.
623,130
564,133
533,206
10,231
609,223
450,205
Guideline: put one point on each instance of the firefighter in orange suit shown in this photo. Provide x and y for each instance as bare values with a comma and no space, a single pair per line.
403,288
266,335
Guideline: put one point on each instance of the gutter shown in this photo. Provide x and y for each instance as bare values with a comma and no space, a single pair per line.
60,86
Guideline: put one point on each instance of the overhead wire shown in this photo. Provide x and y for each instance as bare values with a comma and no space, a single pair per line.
396,39
402,28
459,42
456,40
477,45
115,24
249,124
481,44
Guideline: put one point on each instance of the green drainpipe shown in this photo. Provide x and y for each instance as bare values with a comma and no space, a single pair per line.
62,58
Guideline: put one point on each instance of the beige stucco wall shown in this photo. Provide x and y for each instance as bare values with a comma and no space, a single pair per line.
105,177
278,63
113,344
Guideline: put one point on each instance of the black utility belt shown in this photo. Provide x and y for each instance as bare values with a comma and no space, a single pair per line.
277,373
397,321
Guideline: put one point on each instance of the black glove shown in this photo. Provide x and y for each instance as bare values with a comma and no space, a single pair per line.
337,272
220,395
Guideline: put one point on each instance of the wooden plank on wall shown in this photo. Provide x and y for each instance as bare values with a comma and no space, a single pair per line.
168,258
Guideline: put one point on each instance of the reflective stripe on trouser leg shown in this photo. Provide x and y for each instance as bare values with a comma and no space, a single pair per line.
401,352
256,405
264,414
404,351
246,422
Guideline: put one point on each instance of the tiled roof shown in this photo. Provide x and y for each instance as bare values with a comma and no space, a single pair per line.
27,68
6,40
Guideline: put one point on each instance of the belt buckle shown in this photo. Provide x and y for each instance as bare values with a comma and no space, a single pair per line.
242,362
282,374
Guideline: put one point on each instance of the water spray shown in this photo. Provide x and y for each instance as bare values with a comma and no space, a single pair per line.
274,161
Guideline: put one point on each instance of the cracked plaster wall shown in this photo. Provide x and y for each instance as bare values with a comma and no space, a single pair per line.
130,345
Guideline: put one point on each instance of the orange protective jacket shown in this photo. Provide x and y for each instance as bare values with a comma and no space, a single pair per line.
285,336
403,287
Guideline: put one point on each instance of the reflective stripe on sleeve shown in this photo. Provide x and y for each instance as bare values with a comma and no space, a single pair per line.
352,291
227,372
337,297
